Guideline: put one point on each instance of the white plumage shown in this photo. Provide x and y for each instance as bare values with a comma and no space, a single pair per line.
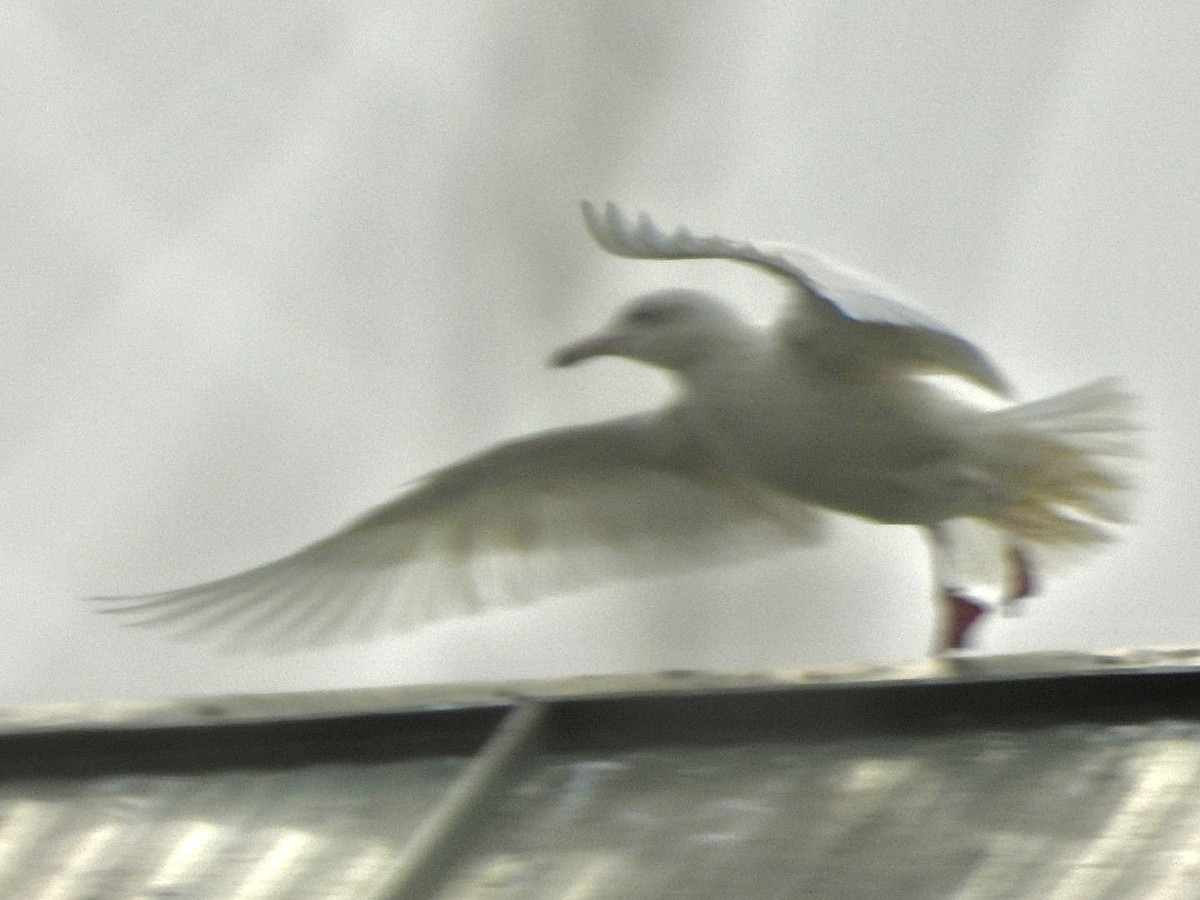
825,408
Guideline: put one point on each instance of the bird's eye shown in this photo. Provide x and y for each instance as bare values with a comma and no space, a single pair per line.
648,315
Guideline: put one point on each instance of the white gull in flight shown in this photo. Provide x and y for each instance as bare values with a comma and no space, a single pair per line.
825,409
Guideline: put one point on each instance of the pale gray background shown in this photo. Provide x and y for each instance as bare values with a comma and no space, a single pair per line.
262,263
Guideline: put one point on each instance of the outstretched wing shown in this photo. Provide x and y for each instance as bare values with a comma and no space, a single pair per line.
644,240
848,318
549,513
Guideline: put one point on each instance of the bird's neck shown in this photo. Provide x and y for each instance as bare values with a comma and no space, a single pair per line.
736,364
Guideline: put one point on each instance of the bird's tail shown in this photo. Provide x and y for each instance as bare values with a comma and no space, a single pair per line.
1060,466
1062,463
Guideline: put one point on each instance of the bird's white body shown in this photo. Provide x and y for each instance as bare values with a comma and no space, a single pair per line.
896,453
826,408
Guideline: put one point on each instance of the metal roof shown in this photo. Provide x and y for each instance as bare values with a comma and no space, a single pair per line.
1048,776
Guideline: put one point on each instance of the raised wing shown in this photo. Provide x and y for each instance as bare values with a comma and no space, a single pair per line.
546,514
850,319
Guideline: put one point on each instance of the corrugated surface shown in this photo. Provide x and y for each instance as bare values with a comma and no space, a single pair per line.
318,831
1072,811
983,784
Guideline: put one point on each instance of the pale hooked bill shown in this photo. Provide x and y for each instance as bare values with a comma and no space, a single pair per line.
828,408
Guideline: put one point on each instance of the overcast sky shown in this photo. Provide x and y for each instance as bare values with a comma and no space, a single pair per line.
264,263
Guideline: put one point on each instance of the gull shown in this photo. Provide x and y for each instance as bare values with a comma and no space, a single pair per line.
830,408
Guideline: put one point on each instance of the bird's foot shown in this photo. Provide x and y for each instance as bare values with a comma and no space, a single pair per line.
961,614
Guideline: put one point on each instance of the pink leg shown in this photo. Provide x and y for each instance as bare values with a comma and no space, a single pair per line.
1023,583
961,613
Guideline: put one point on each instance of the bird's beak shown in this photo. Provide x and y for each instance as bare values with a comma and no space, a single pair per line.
603,344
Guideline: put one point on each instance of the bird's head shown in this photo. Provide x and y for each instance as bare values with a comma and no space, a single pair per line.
673,329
